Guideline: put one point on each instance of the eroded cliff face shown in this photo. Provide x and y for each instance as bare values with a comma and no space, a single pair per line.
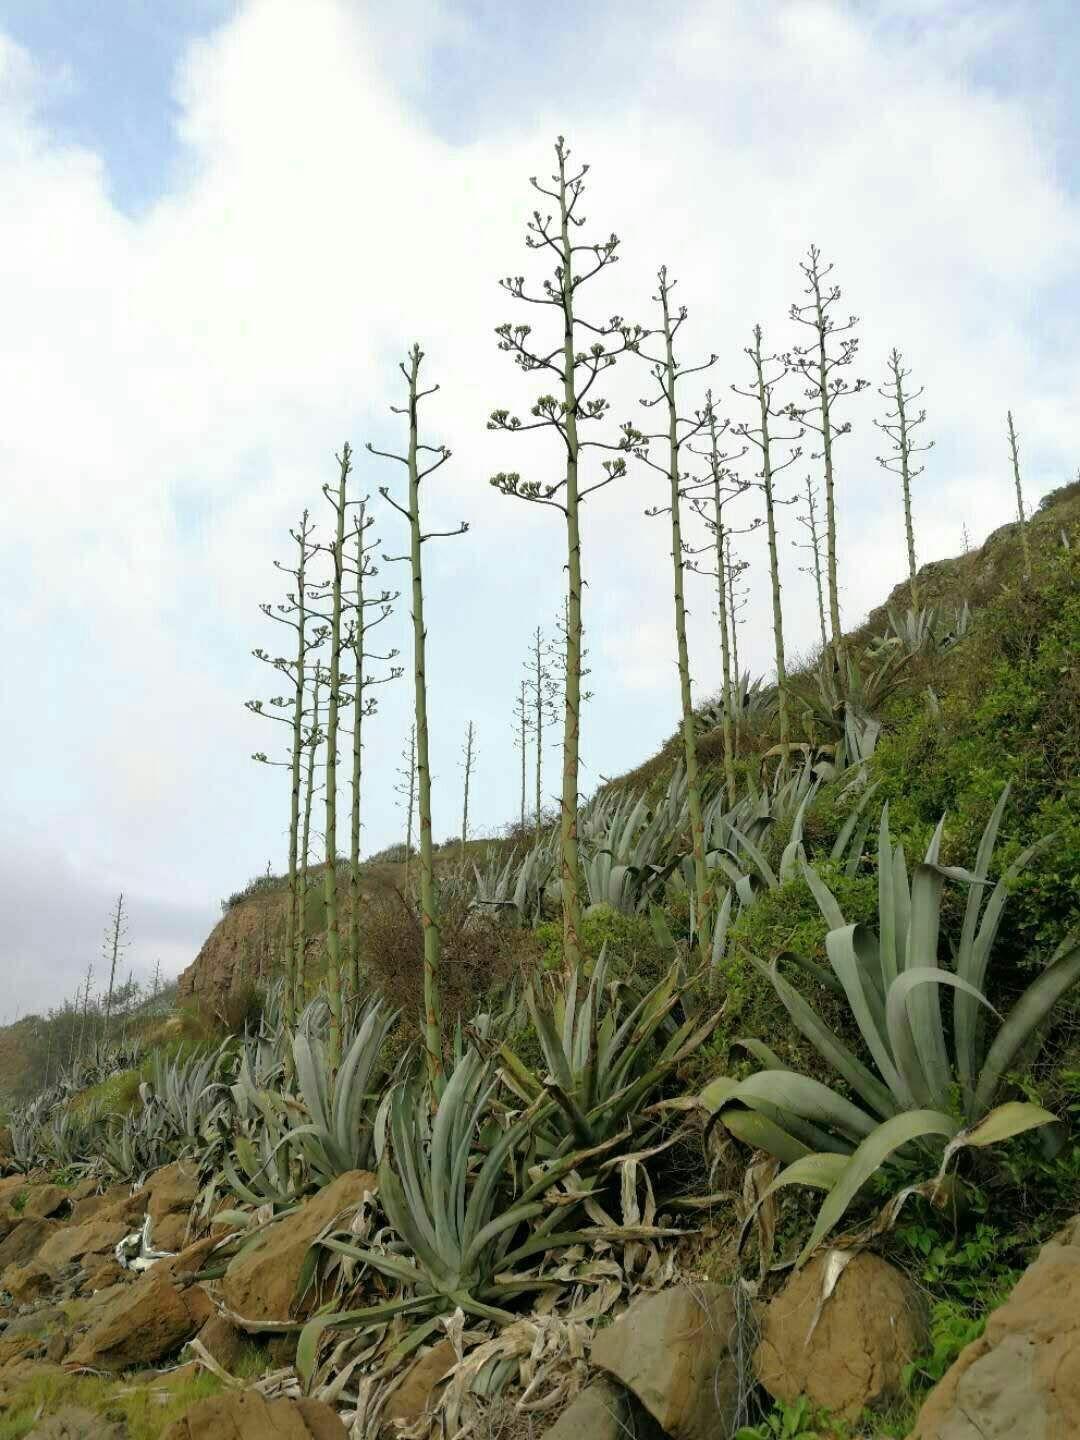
236,951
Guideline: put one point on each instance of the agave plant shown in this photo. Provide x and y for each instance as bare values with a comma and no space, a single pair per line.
824,697
516,887
339,1133
26,1125
188,1092
930,1089
603,1058
131,1146
445,1183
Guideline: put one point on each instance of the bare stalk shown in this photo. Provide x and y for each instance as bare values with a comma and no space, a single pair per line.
418,471
899,425
761,436
1014,455
576,362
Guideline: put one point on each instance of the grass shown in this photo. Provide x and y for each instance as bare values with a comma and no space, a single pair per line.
146,1410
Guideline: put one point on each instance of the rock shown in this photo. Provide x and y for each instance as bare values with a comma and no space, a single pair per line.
413,1393
101,1272
170,1232
171,1190
29,1282
10,1186
24,1242
57,1346
74,1242
673,1351
845,1354
1021,1378
34,1322
142,1323
260,1283
75,1423
222,1341
604,1411
45,1200
247,1416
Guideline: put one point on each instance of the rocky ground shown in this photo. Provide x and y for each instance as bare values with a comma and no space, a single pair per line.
100,1339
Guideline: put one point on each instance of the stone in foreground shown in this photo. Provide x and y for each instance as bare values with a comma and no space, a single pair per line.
845,1352
676,1352
1021,1379
247,1416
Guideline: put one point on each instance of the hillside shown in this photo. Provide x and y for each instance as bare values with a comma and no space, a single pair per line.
239,947
632,1185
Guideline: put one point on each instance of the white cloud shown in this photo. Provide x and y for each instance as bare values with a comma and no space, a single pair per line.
175,385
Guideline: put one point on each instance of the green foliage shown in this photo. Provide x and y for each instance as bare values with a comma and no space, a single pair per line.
1009,697
797,1421
603,1058
951,1329
925,1082
629,940
146,1411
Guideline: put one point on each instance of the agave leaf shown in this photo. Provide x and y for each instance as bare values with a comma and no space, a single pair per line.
899,1023
1026,1016
760,1132
888,1137
829,1045
852,952
826,901
1002,1123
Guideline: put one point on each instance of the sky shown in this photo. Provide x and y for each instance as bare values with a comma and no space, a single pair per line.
226,221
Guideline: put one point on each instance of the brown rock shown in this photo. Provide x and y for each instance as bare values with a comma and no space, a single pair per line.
74,1242
103,1271
57,1346
1021,1379
29,1282
222,1341
169,1232
45,1200
24,1242
171,1190
247,1416
413,1394
90,1206
673,1351
142,1323
845,1353
19,1347
260,1283
604,1411
10,1186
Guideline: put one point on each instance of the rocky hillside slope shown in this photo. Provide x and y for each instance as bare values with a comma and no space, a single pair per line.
239,948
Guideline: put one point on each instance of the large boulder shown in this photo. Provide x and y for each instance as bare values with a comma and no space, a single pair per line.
247,1416
42,1201
604,1411
75,1242
840,1332
142,1323
24,1241
260,1284
1021,1379
28,1283
676,1352
171,1191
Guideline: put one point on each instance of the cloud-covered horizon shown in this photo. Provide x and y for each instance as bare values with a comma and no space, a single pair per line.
178,374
